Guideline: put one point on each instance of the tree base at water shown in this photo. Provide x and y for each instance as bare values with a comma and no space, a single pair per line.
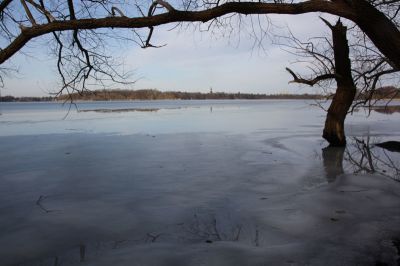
334,139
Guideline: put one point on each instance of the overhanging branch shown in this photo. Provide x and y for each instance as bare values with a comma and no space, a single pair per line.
246,8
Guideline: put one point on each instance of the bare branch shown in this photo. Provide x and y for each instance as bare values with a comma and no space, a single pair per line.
4,4
309,82
28,13
327,23
42,10
166,5
169,17
114,10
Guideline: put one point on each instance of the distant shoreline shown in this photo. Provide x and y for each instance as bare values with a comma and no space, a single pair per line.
152,94
39,100
137,95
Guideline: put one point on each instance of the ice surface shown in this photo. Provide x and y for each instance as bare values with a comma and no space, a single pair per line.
245,184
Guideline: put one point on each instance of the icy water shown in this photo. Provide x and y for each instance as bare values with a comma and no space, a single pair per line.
195,183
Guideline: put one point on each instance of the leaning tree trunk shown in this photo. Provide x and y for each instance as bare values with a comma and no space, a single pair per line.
346,90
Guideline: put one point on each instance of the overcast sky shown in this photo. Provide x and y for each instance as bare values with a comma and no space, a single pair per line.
191,61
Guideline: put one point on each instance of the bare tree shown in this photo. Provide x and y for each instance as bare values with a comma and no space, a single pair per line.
78,27
337,67
356,68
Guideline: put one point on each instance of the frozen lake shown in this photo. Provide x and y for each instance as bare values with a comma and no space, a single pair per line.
195,183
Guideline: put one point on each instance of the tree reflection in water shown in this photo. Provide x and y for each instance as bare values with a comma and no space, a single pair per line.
386,109
361,156
333,162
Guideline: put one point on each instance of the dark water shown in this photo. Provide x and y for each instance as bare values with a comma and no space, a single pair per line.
195,183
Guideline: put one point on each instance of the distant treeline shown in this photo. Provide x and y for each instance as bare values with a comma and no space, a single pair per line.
153,94
388,92
26,99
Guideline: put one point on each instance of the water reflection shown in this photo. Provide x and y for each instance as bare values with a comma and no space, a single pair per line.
363,155
82,252
210,228
201,227
389,109
382,109
333,162
120,110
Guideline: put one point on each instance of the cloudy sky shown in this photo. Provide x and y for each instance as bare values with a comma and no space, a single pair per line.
191,61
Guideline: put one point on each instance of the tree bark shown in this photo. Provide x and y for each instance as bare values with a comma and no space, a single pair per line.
346,90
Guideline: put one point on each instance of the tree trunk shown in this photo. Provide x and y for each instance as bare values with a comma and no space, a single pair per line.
346,90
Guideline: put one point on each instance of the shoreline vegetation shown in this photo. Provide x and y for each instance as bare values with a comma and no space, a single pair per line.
153,94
